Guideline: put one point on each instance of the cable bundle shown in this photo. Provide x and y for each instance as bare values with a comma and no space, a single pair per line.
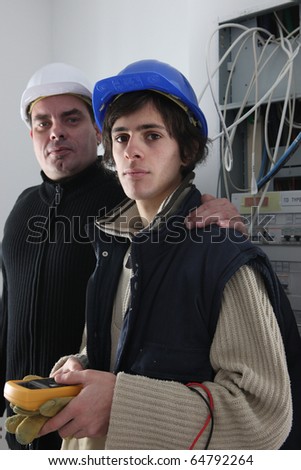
267,45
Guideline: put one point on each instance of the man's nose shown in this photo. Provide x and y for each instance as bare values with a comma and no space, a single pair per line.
133,150
57,133
132,156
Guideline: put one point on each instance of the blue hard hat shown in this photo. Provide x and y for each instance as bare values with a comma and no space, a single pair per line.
148,75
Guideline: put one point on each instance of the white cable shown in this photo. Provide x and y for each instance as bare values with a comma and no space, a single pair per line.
262,100
228,25
227,159
249,89
227,133
253,177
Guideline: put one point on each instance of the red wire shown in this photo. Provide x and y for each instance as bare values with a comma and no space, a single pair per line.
211,405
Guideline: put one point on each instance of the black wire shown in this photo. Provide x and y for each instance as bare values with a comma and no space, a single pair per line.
211,415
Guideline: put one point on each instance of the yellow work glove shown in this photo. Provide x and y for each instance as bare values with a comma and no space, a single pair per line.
26,424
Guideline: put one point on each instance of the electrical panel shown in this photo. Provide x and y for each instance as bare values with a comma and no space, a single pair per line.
259,97
259,103
276,227
249,55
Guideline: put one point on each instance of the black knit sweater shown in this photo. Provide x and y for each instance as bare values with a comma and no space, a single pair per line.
47,260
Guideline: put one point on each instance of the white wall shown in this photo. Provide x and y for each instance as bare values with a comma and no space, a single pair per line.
25,43
101,37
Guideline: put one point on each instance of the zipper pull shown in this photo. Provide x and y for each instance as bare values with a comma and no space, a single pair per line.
58,193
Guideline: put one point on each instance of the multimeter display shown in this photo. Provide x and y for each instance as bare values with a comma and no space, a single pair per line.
30,395
40,383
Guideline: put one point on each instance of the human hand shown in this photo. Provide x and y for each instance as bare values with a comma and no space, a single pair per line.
89,412
218,211
61,367
26,424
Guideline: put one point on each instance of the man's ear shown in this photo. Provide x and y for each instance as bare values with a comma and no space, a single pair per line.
187,161
30,133
189,156
98,134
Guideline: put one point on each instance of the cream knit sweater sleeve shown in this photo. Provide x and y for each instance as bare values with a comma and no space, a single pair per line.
251,389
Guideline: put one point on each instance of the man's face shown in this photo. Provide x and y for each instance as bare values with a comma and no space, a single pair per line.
147,158
64,136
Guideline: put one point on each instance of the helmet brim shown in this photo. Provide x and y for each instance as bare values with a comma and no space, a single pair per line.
105,90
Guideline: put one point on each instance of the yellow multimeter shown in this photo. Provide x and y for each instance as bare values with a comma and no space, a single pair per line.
31,394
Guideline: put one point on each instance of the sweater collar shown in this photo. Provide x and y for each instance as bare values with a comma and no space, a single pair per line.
73,180
78,182
125,219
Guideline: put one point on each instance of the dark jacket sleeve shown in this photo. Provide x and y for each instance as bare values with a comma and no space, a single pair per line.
3,340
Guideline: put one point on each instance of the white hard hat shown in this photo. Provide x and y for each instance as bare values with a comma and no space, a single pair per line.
54,79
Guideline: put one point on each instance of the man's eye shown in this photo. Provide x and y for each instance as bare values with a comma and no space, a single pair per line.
43,124
73,120
153,136
121,138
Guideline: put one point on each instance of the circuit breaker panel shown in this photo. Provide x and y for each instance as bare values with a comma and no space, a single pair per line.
259,97
276,227
259,103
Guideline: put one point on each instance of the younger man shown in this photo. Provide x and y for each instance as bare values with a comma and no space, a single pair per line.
183,344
